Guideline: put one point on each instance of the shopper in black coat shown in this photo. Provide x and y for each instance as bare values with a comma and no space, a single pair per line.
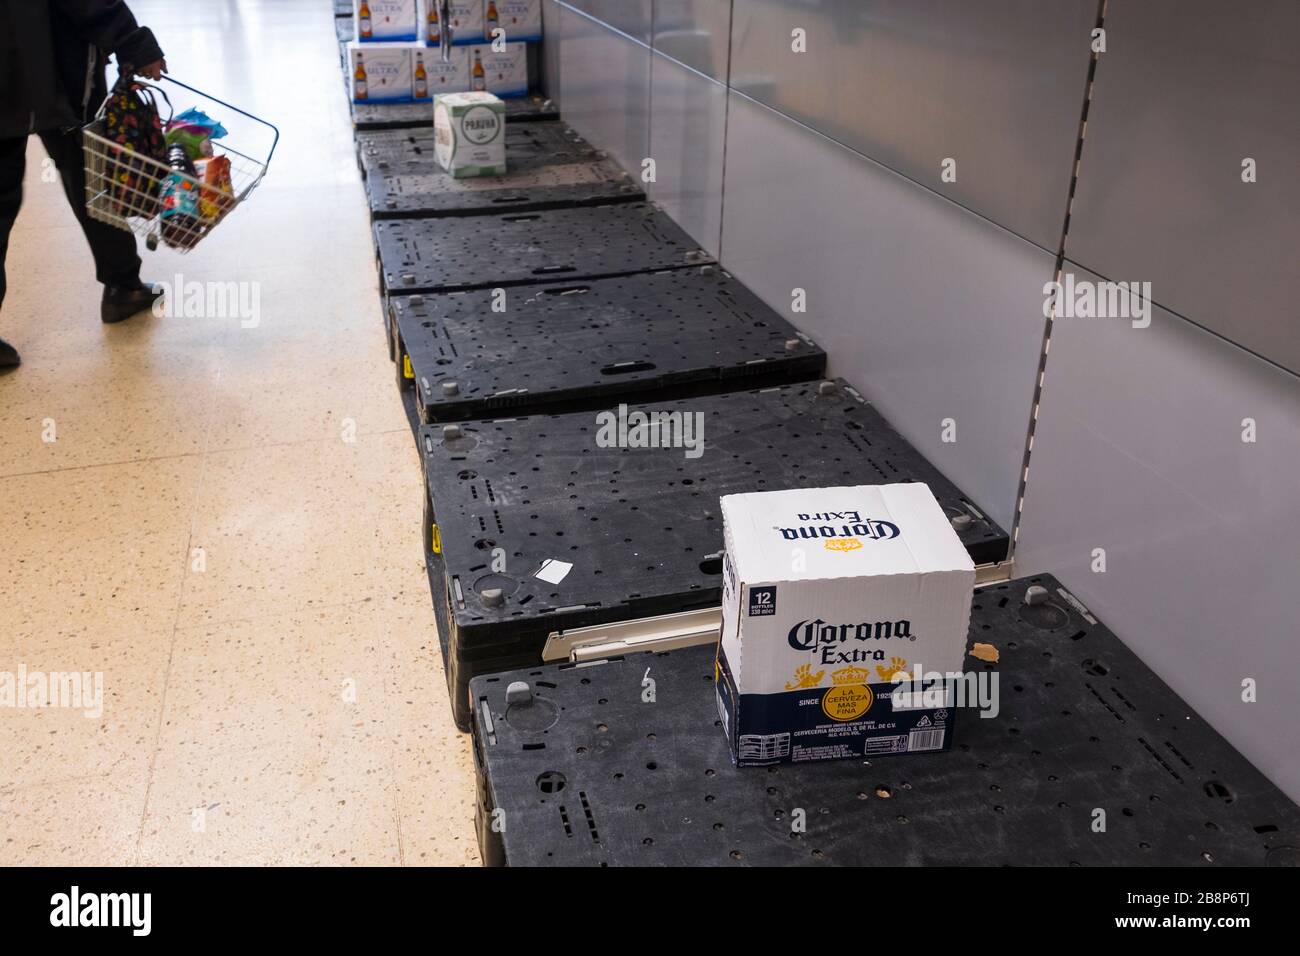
53,55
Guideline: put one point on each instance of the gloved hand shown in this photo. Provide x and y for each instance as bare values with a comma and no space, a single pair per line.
154,70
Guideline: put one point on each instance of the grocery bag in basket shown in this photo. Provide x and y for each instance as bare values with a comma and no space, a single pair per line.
131,121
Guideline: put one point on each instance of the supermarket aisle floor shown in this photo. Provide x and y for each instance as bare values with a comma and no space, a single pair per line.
224,525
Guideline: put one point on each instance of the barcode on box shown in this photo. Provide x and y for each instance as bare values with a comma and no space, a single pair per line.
928,739
884,745
764,746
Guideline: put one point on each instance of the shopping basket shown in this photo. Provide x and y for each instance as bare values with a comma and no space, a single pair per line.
125,188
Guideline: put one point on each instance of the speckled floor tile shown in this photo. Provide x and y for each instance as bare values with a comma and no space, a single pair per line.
291,681
397,485
334,236
104,406
89,550
290,526
91,821
432,761
267,394
54,265
102,715
324,803
344,326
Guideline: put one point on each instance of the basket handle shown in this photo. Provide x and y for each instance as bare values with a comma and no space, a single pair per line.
256,119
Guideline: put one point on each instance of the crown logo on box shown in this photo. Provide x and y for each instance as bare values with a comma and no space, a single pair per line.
842,544
850,675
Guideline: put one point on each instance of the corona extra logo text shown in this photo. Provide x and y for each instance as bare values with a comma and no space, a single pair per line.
830,641
840,525
806,635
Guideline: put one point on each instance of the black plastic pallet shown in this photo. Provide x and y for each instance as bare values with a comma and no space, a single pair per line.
485,252
535,179
555,348
410,150
587,773
519,109
641,526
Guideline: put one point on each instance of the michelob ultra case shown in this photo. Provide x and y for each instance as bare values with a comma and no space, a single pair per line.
469,134
430,75
467,19
380,21
474,21
503,72
381,72
519,20
827,593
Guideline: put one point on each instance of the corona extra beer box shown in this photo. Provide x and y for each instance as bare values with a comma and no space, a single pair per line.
469,134
520,20
503,72
381,72
379,21
827,594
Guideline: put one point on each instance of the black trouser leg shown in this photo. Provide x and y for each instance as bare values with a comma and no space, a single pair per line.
13,156
116,262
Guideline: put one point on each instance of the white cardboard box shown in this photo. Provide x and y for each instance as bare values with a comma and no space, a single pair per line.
469,134
380,72
380,21
504,73
827,593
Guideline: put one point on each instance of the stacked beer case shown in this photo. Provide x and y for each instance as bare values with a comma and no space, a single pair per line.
394,61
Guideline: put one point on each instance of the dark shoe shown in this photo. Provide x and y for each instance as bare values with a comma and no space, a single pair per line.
122,302
8,355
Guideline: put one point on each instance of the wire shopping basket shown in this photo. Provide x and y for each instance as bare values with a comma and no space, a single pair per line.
157,201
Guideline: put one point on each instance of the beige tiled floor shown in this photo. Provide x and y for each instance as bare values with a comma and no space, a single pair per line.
249,583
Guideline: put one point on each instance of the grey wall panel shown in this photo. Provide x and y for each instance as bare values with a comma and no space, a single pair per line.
632,17
1184,92
688,125
695,32
1139,451
552,34
605,88
931,310
996,85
